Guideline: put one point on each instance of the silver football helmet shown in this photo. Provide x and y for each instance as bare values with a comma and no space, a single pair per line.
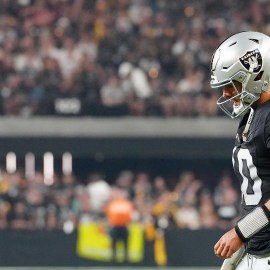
243,57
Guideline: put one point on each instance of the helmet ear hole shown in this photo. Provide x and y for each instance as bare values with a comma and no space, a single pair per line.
259,76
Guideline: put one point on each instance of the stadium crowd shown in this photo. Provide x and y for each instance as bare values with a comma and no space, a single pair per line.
187,202
116,57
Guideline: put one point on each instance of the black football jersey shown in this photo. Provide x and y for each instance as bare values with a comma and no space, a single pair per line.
251,162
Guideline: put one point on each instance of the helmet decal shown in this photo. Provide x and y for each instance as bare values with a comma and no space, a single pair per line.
252,60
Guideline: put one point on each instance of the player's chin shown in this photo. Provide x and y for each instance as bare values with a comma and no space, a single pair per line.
236,104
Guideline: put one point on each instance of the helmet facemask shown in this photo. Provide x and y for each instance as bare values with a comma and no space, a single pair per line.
244,98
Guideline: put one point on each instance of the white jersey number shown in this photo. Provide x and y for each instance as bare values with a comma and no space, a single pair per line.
251,184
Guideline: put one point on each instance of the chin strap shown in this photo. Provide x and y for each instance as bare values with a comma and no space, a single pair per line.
247,127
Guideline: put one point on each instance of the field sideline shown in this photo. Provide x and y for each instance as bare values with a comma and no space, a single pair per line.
111,268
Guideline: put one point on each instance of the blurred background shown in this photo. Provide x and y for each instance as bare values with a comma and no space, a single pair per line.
105,101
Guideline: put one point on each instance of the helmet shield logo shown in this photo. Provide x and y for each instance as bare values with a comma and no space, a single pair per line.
252,60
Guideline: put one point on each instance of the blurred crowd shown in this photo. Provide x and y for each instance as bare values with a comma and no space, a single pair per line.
185,202
116,57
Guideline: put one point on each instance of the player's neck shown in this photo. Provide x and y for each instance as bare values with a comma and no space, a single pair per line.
263,98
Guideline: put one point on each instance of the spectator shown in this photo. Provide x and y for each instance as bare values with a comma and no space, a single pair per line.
135,82
113,98
99,193
4,209
125,181
226,199
208,216
159,187
187,216
18,217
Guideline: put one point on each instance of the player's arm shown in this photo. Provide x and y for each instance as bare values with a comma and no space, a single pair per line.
245,228
253,222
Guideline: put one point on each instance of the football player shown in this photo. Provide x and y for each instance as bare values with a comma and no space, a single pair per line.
241,67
